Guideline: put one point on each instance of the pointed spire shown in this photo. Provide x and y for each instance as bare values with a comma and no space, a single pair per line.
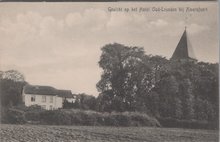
182,49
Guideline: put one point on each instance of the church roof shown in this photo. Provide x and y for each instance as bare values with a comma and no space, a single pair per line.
183,50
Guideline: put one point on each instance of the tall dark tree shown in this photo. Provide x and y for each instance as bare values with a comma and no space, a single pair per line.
11,85
168,90
84,101
187,99
126,75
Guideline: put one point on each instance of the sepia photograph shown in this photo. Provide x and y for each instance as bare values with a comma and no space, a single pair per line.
109,72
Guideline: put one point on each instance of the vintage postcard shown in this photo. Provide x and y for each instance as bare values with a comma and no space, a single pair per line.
116,71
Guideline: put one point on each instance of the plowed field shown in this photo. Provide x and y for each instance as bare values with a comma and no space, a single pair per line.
41,133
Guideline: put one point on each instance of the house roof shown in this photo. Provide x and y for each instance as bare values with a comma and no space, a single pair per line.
65,93
183,49
47,90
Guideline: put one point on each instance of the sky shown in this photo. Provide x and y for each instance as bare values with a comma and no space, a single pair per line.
58,44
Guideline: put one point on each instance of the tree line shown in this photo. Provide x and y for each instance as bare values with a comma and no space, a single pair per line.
132,81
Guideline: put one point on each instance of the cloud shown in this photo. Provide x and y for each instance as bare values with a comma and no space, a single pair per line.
73,19
91,19
119,20
140,23
197,28
159,23
50,27
127,23
29,25
54,50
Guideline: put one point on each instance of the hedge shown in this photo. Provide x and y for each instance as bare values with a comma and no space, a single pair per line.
35,115
192,124
77,117
12,116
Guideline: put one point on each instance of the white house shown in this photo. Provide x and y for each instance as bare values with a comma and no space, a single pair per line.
45,96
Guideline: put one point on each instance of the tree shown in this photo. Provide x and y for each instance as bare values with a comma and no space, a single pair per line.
11,85
104,102
134,81
204,110
160,66
126,75
68,105
169,102
84,101
187,99
152,102
1,74
13,75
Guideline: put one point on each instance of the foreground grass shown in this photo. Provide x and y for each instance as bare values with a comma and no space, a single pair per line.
41,133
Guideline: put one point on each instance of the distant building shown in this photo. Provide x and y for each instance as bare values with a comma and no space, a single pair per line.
183,51
47,97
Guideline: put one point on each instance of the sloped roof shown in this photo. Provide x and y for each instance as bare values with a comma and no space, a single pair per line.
47,90
182,49
65,93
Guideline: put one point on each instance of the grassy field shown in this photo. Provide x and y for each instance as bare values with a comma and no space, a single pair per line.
35,133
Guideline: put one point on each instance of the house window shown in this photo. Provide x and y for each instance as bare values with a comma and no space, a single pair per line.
51,107
43,107
32,98
43,98
51,99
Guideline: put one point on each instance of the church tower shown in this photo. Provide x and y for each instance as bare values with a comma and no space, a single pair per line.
183,51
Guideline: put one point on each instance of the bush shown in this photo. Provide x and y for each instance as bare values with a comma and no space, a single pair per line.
110,120
55,117
75,119
92,118
62,118
100,119
128,119
142,119
122,119
34,108
32,114
192,124
13,116
88,119
78,117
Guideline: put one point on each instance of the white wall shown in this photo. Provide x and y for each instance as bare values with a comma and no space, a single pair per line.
70,100
55,104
